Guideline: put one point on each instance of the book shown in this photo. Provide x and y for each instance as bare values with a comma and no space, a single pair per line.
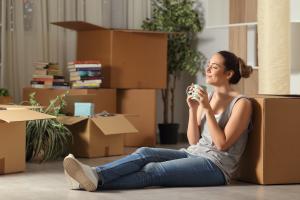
85,73
84,66
84,69
84,62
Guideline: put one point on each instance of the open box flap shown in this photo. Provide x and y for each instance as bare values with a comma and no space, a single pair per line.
114,125
17,115
68,120
78,26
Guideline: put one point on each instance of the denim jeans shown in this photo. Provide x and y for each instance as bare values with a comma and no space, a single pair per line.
159,167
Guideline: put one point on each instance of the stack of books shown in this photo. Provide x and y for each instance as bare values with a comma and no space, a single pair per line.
48,75
85,74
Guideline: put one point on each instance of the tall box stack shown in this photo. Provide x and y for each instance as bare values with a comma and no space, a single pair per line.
133,66
132,61
272,154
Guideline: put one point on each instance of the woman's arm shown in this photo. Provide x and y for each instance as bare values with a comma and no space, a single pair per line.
193,133
237,123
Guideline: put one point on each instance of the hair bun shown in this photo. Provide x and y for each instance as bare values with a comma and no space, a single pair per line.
245,70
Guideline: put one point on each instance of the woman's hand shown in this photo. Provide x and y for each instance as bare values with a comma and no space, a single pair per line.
203,98
193,104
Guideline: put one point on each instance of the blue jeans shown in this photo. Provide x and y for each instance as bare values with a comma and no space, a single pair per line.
159,167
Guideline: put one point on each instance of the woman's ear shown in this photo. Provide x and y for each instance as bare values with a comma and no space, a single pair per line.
229,74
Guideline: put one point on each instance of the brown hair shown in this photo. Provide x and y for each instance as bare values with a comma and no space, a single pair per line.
237,65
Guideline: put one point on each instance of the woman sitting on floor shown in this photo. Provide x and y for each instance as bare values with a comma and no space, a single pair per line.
217,133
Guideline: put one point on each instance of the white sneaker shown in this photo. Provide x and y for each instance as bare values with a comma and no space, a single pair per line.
80,175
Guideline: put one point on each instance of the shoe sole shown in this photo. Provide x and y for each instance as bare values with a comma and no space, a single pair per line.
74,185
76,172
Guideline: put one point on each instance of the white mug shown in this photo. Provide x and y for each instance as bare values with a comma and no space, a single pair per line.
193,91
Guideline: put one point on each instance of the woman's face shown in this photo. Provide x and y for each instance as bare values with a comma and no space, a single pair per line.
215,71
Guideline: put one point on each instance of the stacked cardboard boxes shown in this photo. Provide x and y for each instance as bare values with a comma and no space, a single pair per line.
134,65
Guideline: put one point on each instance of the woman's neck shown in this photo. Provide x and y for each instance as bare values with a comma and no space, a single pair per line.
222,92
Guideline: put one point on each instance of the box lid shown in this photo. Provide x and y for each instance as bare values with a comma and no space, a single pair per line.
78,26
84,26
17,115
17,107
116,124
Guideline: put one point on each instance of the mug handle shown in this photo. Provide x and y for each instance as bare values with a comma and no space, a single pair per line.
188,90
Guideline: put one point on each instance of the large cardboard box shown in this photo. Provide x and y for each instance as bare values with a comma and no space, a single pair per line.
130,58
104,99
12,136
140,104
98,136
272,155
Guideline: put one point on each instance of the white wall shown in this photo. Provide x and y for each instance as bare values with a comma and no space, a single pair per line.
295,47
295,59
212,40
294,10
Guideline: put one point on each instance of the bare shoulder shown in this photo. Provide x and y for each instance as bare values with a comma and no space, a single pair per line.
243,104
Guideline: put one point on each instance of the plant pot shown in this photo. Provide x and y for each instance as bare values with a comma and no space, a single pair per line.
5,99
168,133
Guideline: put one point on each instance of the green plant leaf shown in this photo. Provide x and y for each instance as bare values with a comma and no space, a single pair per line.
47,139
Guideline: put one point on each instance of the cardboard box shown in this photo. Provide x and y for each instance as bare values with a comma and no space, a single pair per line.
129,58
272,155
141,104
5,99
12,137
104,99
98,136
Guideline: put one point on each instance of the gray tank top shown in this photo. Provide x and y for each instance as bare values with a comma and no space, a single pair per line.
228,160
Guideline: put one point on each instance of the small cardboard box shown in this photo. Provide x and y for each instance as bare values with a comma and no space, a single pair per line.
104,99
141,104
98,136
12,136
272,154
127,56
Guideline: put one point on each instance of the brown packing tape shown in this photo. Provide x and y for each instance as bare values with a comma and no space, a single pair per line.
2,165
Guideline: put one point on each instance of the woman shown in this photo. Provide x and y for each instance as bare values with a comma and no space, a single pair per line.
217,133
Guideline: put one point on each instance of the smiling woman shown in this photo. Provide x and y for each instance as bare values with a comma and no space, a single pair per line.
229,65
217,132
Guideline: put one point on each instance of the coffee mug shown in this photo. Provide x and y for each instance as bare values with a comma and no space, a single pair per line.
193,91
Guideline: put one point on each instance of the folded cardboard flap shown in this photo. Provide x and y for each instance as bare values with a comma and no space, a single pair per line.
78,26
17,107
114,125
68,120
19,115
84,26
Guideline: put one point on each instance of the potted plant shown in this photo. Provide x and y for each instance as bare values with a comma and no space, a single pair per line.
47,139
181,20
4,96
